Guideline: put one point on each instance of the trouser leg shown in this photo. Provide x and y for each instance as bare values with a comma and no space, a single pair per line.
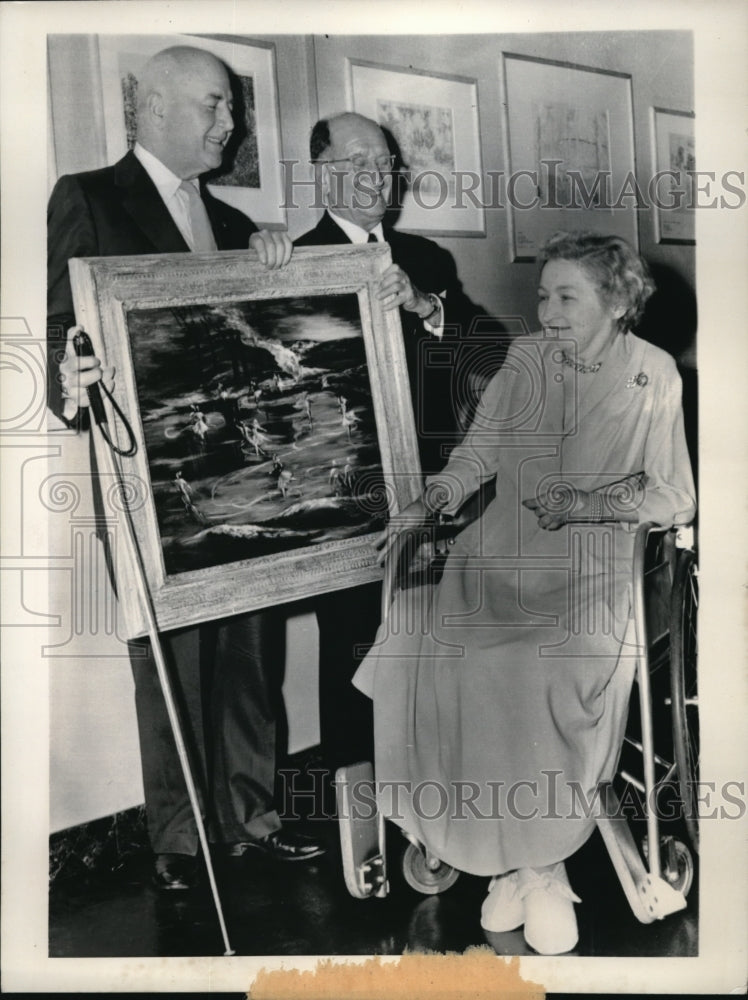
245,701
348,621
221,677
171,824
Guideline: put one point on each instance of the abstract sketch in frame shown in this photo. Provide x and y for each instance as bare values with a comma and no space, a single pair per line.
434,121
569,134
251,180
273,419
674,157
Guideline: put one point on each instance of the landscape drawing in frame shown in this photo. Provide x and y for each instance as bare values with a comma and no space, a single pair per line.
569,133
674,154
272,415
433,120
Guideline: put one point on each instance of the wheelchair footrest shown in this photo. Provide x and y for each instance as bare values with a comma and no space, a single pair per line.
361,832
371,876
650,897
659,898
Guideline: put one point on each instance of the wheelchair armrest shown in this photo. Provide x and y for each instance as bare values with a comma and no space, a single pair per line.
399,559
437,535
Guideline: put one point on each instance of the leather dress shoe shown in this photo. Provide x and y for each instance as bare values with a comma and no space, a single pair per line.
175,871
282,845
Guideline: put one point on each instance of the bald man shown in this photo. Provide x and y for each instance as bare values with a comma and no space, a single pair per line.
221,671
137,206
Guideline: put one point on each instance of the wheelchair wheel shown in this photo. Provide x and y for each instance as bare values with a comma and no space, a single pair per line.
427,875
682,878
677,863
683,654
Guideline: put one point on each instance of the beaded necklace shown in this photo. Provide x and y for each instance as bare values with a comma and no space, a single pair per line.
578,366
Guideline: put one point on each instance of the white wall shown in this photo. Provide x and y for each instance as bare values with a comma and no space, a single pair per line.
94,765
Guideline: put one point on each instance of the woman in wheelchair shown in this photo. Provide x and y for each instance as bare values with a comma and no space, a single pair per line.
500,692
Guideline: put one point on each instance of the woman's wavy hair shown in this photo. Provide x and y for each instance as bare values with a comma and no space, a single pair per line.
620,274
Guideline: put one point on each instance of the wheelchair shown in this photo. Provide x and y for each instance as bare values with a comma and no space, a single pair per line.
657,873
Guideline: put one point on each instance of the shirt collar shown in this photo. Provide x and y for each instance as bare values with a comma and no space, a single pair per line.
355,233
167,182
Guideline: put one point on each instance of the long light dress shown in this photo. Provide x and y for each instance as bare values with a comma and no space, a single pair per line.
500,694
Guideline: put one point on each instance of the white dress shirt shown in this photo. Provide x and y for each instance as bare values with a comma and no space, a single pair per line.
358,235
168,186
355,233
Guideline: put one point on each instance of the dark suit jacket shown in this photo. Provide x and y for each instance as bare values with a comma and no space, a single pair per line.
431,364
109,212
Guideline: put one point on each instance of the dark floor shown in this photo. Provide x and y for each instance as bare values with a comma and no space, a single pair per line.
274,908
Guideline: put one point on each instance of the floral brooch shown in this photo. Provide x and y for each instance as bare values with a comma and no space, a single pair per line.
641,380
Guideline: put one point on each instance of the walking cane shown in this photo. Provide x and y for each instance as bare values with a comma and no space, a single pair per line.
106,452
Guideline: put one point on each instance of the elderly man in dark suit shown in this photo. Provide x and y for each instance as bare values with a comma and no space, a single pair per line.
354,172
354,167
152,201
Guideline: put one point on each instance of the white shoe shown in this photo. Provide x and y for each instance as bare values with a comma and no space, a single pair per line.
548,901
502,908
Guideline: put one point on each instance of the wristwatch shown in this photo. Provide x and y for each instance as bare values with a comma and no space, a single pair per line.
436,302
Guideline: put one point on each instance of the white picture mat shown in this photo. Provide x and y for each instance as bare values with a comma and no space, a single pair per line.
118,53
530,84
369,85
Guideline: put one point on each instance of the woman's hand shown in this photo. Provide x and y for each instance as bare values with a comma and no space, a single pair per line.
415,515
553,513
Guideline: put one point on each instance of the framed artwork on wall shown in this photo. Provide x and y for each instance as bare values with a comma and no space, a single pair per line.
433,120
251,179
569,134
674,159
272,420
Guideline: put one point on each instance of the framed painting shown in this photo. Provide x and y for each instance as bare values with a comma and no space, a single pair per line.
271,416
251,178
433,119
569,134
674,159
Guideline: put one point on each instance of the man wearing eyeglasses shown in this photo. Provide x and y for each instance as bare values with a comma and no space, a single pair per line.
354,168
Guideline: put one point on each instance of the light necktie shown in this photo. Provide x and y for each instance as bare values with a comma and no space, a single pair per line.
202,234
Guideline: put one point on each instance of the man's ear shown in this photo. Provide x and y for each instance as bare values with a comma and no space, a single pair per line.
156,108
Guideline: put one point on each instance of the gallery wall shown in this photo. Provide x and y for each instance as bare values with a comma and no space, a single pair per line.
661,69
94,764
313,78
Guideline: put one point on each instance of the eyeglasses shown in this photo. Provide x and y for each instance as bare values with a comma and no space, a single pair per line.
382,164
